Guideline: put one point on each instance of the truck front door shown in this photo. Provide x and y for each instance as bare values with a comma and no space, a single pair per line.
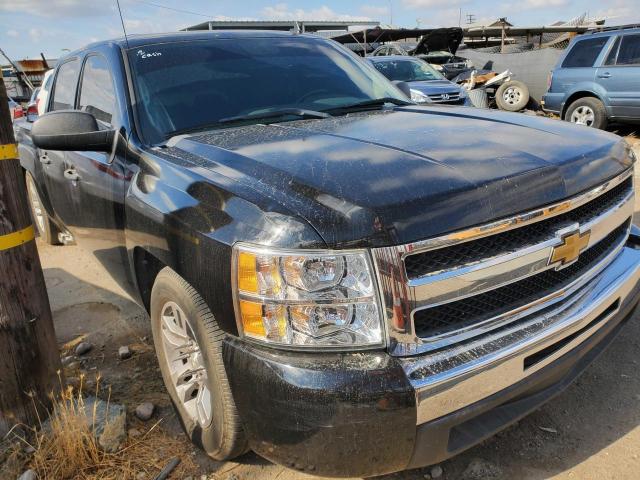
96,181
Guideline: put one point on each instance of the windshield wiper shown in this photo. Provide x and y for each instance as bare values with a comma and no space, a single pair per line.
376,102
284,112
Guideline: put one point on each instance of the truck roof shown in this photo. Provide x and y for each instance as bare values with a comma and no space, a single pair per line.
138,40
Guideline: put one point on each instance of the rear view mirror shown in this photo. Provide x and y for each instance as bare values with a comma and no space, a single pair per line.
403,87
71,130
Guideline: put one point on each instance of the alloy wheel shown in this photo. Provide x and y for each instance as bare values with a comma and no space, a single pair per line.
186,365
583,115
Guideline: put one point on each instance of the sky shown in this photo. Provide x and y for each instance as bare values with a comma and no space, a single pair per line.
29,27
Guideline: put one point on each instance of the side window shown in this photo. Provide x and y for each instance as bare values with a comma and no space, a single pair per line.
584,52
96,89
629,50
64,88
613,53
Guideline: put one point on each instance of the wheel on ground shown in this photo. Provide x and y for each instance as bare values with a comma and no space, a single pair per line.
512,96
188,344
587,111
46,228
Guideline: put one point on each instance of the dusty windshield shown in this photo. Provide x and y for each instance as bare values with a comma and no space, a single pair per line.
185,85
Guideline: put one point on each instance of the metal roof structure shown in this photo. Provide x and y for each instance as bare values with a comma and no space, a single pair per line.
481,32
282,25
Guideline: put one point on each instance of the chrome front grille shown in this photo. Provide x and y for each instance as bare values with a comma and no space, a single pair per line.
474,310
450,289
445,97
482,249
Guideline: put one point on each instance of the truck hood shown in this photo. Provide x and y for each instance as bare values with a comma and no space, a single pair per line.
401,175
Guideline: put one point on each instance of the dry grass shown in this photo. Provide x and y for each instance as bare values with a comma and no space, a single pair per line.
66,449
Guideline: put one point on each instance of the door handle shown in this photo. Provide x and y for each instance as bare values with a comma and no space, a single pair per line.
71,174
604,75
44,159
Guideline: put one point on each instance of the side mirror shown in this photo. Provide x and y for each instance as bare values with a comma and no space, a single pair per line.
71,130
403,87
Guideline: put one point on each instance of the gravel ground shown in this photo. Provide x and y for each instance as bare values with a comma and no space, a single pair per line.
591,431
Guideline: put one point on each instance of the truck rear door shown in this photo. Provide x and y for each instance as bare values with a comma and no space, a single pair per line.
619,76
53,162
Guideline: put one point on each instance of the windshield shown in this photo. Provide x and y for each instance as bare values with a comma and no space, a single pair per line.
407,70
182,86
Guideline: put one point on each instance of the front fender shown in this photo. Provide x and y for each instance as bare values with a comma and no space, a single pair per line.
189,219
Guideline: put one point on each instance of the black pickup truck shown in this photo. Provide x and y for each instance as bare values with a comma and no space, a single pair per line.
345,282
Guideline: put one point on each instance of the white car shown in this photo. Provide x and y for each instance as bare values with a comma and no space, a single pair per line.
40,97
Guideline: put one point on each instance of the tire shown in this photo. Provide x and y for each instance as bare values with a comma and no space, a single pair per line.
220,434
588,111
46,228
512,96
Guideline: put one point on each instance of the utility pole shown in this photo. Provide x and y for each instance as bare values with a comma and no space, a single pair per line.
29,358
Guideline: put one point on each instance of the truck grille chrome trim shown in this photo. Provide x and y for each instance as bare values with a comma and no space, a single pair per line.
591,217
445,97
454,320
461,375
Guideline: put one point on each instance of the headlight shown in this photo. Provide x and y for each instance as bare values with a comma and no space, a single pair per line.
419,97
306,298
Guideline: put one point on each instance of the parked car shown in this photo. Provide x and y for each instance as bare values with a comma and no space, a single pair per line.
39,97
32,106
426,83
395,48
437,48
596,80
15,109
346,282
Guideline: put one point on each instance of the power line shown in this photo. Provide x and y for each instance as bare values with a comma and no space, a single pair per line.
174,9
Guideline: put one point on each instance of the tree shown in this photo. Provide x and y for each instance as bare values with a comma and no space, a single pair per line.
29,357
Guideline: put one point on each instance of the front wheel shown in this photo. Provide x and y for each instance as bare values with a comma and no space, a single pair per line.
188,343
587,111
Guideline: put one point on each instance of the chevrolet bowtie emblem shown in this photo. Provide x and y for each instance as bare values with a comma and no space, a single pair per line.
570,248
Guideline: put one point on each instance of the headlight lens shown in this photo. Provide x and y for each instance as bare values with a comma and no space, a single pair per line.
419,97
306,299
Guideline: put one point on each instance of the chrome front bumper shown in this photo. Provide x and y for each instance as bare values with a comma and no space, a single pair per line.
454,378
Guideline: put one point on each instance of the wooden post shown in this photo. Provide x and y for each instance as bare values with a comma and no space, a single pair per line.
29,357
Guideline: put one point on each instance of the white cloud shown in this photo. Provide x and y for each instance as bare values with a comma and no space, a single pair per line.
57,8
441,18
535,4
618,12
281,11
35,34
416,4
12,33
374,11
